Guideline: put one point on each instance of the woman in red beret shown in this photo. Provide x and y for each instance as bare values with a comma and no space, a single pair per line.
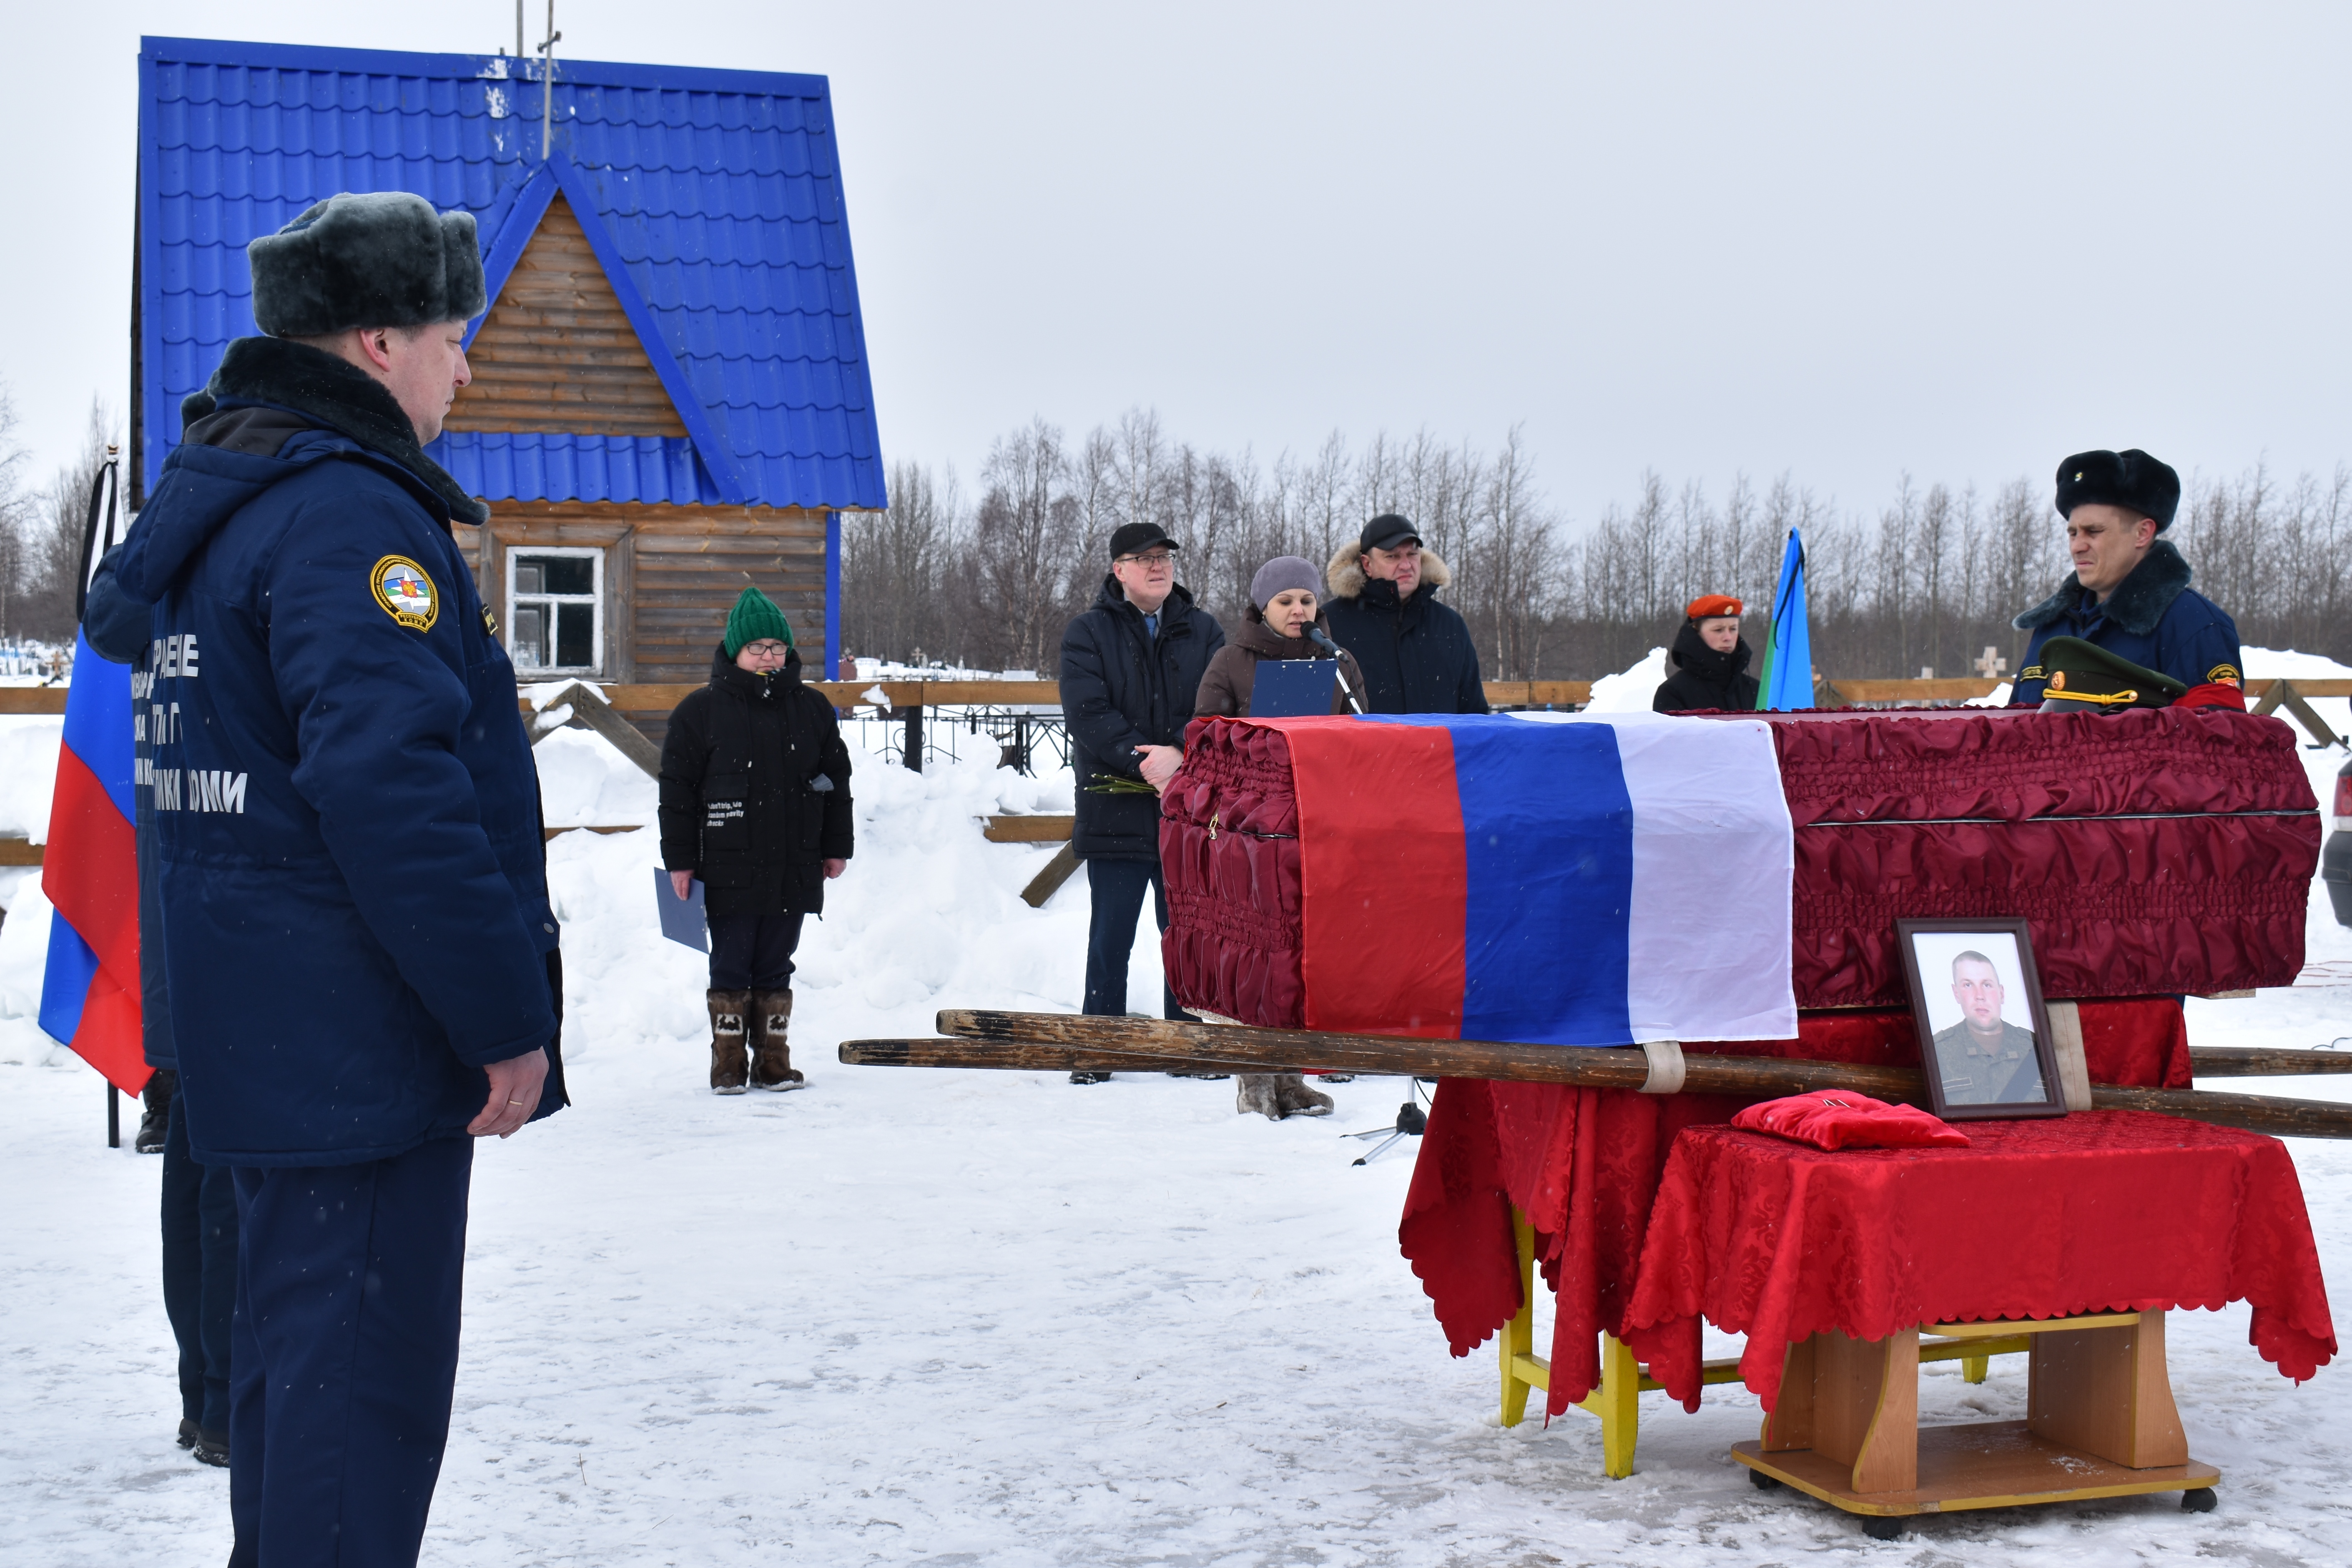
1707,667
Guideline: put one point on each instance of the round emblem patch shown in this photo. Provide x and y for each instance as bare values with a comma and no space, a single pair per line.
406,592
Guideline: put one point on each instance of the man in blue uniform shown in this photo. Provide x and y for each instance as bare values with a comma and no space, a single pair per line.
352,895
2130,592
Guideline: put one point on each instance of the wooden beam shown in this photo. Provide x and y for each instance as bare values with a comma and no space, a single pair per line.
1040,829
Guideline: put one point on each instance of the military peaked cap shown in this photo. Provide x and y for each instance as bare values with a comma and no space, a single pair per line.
2085,677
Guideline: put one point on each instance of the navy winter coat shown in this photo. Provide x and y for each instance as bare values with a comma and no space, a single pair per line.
354,909
1416,654
2154,618
1122,689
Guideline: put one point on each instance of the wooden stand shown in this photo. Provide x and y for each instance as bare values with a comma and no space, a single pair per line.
2100,1422
1623,1379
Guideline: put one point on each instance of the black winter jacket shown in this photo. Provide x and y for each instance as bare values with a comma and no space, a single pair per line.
1698,677
1416,654
741,802
1121,690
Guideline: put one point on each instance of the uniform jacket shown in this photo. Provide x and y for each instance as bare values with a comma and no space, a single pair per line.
1416,653
2008,1074
353,897
1233,674
755,790
1122,689
1698,677
2153,618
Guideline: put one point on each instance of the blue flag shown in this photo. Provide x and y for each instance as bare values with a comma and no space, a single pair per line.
1788,680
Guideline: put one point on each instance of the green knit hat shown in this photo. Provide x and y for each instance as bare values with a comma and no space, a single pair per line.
754,616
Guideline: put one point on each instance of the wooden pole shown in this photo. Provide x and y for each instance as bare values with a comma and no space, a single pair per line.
1031,1042
2264,1061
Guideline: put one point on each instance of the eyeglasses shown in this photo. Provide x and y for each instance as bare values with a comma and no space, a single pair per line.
765,649
1156,559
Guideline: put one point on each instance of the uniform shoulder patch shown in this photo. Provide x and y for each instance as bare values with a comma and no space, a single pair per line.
406,594
2223,675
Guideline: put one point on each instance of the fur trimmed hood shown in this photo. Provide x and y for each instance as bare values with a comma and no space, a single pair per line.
342,397
2136,605
1346,573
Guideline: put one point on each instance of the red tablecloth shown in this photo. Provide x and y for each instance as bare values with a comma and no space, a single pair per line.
1584,1165
2099,1211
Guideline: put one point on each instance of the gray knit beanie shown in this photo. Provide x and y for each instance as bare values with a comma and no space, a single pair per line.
384,258
1282,573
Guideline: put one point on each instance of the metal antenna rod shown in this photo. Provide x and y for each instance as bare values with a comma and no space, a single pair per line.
519,50
546,82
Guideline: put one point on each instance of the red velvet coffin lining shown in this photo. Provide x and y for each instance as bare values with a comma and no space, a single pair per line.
2156,850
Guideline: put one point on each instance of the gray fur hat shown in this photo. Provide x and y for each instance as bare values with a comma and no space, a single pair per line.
1281,572
385,258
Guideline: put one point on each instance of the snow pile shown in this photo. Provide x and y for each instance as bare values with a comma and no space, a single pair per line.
28,774
1631,691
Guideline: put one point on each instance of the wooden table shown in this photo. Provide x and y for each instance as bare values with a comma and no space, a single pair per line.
2100,1422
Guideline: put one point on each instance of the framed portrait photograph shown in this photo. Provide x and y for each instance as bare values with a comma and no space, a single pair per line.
1984,1036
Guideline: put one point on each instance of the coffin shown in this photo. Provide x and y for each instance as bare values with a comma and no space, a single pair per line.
2152,851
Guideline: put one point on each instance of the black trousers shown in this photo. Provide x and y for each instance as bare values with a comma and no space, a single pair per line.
350,1282
752,953
1117,888
199,1272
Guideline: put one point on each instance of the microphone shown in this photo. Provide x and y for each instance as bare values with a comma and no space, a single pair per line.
1322,639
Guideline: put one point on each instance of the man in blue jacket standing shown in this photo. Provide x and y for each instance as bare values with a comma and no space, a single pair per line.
2129,592
1131,666
354,912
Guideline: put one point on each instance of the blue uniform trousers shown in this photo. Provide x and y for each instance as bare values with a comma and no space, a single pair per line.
199,1272
1115,889
350,1282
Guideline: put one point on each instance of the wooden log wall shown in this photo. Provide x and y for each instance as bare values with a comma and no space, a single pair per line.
558,353
671,573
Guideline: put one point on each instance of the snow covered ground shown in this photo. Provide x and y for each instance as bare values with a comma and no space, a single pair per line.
920,1317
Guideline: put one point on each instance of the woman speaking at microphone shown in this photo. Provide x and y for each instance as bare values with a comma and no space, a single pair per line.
1281,622
1278,624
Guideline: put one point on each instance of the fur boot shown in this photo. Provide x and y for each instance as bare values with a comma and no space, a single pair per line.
1278,1095
771,1019
730,1066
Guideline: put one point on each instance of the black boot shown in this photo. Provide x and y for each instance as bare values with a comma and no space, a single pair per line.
156,1098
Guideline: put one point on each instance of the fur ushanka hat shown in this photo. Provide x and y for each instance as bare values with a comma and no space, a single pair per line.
2130,480
382,259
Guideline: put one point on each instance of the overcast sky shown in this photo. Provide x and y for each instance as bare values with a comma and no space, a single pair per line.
1844,242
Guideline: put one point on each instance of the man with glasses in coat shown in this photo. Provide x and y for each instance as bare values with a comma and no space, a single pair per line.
1131,666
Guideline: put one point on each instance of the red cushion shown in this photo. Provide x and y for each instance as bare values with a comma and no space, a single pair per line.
1835,1118
2212,694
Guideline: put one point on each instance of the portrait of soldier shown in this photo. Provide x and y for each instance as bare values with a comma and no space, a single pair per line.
1985,1059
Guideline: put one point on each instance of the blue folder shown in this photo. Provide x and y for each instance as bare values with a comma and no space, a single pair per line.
1293,688
681,919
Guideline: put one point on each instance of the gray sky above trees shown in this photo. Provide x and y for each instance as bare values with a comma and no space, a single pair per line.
1842,241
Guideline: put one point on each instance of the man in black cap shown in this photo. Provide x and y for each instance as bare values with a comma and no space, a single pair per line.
1416,654
2130,592
1130,666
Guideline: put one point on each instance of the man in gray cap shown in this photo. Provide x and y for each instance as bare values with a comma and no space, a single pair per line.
352,901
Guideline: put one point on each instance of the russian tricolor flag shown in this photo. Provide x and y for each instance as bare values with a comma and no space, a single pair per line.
90,994
1596,881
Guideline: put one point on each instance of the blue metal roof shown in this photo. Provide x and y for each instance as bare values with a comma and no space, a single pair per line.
712,198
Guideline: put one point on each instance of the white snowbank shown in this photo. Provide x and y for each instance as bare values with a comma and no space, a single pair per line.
28,774
1630,690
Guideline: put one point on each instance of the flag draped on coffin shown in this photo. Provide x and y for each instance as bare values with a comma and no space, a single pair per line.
1787,682
90,872
1597,881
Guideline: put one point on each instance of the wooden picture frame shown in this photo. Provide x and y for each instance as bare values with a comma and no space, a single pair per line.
1975,1074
